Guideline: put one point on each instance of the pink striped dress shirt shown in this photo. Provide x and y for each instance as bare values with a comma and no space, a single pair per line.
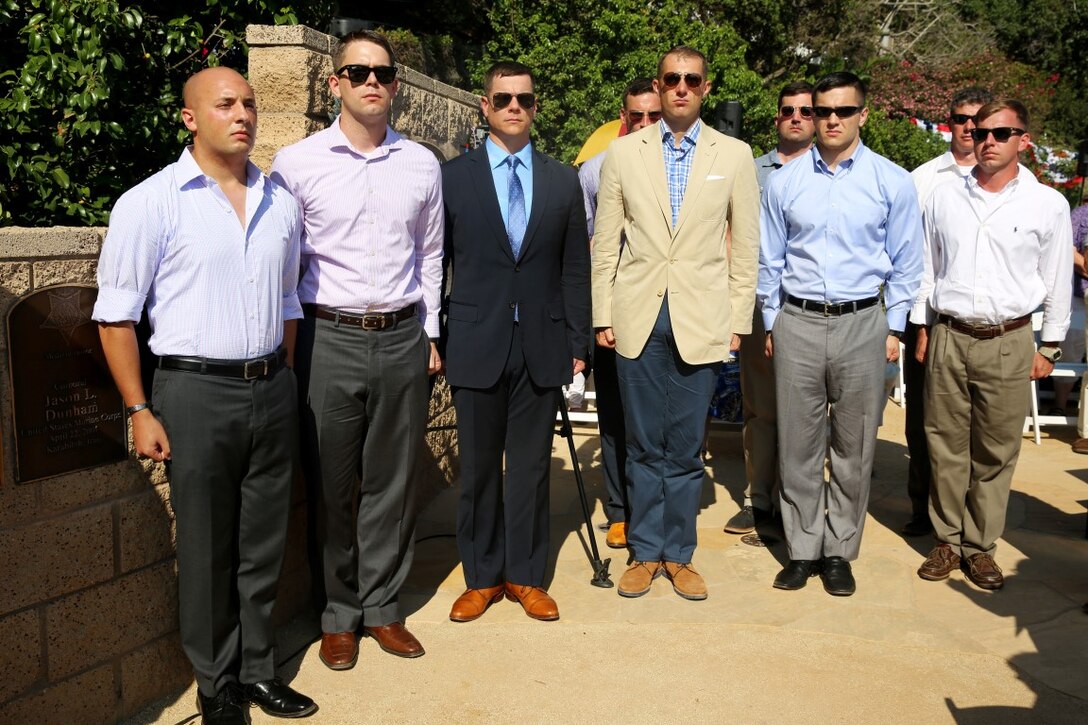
373,223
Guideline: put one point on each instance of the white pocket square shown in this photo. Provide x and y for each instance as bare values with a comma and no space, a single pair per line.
713,177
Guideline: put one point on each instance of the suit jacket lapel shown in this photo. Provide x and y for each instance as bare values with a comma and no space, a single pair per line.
654,160
705,151
540,198
484,182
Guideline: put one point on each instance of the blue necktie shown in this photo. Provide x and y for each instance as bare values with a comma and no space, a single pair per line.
515,213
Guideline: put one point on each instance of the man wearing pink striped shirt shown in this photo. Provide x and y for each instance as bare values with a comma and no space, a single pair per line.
370,286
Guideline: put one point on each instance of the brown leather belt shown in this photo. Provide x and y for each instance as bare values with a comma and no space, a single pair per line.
366,321
984,331
256,368
832,309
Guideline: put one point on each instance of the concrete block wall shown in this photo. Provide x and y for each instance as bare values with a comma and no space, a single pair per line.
88,596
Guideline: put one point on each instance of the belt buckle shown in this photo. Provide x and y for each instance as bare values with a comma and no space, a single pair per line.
373,322
827,308
247,375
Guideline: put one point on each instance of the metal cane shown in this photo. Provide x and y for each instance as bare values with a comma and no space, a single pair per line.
600,568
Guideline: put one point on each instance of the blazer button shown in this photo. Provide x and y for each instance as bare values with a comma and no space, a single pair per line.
513,305
661,293
517,268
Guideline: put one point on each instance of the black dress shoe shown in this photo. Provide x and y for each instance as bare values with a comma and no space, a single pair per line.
228,707
796,574
279,700
838,579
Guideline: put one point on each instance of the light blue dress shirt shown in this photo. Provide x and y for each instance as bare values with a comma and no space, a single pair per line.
500,172
212,287
838,236
678,163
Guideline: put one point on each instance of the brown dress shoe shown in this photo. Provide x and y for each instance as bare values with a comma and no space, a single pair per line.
939,563
474,602
396,640
617,535
534,600
638,578
1080,445
984,572
686,582
339,650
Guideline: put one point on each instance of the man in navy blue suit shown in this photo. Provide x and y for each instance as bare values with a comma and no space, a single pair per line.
518,329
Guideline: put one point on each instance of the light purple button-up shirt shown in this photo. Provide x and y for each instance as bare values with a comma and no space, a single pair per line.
212,288
373,223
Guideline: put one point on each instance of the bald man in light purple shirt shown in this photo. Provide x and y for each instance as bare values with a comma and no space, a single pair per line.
371,281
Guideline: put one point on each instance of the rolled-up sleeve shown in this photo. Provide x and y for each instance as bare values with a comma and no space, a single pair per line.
130,257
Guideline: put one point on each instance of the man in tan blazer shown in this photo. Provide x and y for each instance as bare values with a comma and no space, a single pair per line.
672,299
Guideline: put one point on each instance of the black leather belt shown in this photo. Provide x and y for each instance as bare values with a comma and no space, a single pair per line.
256,368
984,331
366,321
832,309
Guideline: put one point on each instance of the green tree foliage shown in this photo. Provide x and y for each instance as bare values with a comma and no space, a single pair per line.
90,92
900,140
584,54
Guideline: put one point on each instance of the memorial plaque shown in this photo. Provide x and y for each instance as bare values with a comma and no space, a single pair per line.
68,414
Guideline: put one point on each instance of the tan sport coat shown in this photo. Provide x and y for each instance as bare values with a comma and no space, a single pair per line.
711,289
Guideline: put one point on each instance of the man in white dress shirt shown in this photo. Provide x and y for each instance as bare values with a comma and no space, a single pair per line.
953,165
997,247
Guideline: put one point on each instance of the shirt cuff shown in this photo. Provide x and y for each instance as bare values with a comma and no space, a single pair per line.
118,305
292,308
430,325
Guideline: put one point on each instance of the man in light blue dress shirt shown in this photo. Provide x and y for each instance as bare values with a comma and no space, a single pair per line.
837,228
210,246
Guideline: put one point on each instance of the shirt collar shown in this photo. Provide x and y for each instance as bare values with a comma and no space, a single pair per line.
1024,177
848,163
773,159
691,138
188,171
339,141
496,157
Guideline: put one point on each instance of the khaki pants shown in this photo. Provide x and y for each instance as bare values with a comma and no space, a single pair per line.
976,397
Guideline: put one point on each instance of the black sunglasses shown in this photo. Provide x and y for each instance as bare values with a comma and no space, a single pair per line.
788,111
840,111
672,80
502,100
1001,133
960,118
637,116
385,74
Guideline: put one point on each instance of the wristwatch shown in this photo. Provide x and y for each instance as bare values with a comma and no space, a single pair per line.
1052,353
897,334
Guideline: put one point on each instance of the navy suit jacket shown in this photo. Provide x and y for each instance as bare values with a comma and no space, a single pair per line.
549,283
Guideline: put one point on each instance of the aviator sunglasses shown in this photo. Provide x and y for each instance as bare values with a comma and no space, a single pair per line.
788,111
672,80
1001,133
385,74
960,118
502,100
637,116
840,111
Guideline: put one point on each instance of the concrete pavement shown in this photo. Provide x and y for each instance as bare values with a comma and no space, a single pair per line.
900,650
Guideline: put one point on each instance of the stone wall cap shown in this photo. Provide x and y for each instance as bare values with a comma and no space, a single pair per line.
301,35
40,242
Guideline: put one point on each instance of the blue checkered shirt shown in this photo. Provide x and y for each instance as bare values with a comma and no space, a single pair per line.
678,163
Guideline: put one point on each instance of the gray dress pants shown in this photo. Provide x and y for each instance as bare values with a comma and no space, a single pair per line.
827,369
234,446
